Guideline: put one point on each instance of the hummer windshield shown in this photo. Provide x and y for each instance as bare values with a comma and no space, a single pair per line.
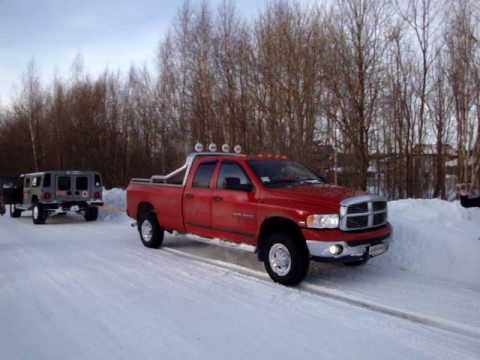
277,173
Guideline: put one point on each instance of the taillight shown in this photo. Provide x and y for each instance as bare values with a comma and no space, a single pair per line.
97,195
47,196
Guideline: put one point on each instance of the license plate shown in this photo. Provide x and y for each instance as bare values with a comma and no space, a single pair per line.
376,250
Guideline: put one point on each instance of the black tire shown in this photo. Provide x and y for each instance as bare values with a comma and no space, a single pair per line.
39,215
356,262
148,223
91,213
297,253
14,212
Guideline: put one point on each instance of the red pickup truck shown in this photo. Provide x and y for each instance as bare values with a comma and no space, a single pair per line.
277,205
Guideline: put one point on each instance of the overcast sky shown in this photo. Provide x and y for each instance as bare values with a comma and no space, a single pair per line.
113,33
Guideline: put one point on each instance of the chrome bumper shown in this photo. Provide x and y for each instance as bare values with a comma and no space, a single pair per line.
319,250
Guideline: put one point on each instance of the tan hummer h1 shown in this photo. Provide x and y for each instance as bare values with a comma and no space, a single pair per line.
55,192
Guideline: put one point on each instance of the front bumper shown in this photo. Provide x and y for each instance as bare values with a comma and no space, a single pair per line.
352,249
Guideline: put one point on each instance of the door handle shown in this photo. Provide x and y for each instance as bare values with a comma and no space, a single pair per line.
217,198
189,196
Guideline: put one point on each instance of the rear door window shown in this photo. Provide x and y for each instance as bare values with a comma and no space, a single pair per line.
204,175
81,183
64,183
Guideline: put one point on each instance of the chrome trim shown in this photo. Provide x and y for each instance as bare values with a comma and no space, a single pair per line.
319,249
369,199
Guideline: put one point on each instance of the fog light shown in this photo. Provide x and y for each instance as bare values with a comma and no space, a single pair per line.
335,249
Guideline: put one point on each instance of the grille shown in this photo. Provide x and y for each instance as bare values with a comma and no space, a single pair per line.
358,208
369,212
357,222
379,206
379,219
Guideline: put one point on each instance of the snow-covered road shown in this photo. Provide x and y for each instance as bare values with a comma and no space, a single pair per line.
76,290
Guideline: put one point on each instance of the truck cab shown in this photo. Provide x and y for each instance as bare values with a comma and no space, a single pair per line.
288,213
55,192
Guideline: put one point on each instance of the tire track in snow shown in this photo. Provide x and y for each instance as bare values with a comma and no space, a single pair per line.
433,322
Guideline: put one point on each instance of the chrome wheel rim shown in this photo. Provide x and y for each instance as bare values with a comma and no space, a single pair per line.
35,212
280,259
147,231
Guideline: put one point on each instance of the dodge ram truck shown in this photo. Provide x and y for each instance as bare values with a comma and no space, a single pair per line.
287,212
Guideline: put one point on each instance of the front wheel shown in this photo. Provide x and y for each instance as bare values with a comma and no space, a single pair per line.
14,212
39,215
286,260
150,231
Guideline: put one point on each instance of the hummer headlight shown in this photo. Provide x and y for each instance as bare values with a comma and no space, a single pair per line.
328,221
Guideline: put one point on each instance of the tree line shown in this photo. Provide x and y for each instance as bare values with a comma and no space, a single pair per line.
383,83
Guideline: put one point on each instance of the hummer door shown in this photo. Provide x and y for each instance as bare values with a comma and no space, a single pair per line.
82,190
63,189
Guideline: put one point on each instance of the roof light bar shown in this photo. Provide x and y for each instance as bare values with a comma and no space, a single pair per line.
226,148
212,147
198,147
237,149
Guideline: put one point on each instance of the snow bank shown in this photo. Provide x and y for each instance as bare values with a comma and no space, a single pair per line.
115,206
435,238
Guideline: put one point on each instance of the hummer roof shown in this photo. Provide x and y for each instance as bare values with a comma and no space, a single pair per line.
61,172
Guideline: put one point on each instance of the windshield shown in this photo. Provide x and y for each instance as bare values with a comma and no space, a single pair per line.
283,173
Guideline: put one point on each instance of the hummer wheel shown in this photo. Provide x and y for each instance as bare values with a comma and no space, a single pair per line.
91,214
39,216
14,212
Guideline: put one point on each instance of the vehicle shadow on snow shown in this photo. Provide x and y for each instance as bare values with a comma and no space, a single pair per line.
70,219
319,273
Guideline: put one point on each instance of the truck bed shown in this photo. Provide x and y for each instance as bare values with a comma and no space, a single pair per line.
165,198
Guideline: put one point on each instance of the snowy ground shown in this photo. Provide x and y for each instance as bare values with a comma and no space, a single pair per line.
76,290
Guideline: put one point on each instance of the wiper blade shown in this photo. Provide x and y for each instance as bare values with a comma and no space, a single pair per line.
311,181
281,181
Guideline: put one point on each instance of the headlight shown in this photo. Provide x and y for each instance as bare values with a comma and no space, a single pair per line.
329,221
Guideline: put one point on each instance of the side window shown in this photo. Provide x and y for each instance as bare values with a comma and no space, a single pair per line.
64,183
98,181
204,175
232,169
27,182
47,180
81,183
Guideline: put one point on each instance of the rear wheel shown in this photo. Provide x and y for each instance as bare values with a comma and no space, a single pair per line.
14,212
39,215
150,231
286,260
91,214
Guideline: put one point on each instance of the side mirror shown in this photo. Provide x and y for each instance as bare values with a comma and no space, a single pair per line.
233,183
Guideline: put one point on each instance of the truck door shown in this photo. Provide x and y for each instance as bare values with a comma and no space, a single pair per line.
234,207
197,199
